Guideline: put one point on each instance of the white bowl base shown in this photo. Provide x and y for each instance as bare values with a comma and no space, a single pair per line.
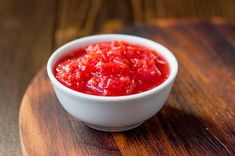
114,129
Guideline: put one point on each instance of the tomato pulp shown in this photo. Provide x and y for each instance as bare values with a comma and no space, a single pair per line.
112,69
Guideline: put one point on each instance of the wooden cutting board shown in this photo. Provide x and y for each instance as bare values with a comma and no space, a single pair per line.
198,118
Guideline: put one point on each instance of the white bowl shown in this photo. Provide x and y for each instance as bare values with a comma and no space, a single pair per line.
113,113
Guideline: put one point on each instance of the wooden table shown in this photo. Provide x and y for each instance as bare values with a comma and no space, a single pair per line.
30,30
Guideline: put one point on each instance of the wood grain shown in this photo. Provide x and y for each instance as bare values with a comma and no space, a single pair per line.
198,118
80,18
26,37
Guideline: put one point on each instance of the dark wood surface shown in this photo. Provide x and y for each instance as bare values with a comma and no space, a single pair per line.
198,118
31,30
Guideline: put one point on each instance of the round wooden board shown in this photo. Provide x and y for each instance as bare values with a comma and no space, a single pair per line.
194,121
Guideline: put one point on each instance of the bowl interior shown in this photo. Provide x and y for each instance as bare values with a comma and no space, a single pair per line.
67,48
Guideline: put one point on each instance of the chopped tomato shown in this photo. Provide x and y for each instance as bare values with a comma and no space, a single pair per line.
112,69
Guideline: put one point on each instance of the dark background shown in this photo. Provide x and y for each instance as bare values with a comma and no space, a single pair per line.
31,29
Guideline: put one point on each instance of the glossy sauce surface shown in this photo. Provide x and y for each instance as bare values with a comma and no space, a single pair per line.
112,69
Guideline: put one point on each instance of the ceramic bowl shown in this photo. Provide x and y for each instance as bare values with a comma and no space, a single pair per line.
115,113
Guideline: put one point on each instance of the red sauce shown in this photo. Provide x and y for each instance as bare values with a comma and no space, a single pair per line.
112,69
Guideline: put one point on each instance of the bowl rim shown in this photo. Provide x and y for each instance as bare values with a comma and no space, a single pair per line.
56,55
